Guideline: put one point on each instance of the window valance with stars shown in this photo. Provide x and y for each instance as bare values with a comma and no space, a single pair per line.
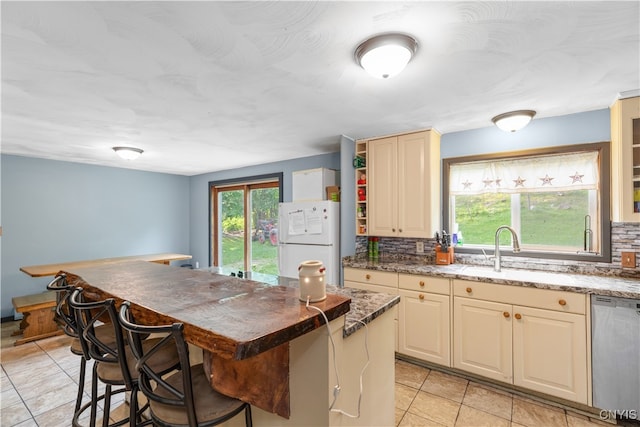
557,172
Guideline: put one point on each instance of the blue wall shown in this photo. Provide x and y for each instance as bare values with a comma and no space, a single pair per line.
56,211
199,217
580,128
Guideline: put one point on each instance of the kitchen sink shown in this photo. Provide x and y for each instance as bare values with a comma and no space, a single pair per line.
514,274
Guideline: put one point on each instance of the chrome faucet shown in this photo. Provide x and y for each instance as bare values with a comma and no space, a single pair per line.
516,245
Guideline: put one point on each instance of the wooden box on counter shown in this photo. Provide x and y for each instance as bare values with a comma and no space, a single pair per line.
444,258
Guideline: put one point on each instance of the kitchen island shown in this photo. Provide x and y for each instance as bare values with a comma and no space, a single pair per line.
262,344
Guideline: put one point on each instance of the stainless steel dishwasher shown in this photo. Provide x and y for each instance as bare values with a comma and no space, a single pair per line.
615,357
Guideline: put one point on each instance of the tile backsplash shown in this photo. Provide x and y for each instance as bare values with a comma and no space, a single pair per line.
625,237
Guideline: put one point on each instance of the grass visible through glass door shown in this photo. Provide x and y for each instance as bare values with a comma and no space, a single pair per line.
265,255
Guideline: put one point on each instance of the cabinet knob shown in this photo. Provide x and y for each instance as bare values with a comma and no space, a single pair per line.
421,296
421,283
393,229
518,316
469,290
562,302
506,314
368,276
400,230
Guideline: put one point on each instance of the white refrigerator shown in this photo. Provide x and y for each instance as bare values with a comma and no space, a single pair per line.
309,231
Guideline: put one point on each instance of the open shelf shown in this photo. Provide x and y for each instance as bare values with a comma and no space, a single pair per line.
361,188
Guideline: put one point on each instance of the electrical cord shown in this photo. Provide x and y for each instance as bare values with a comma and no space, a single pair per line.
336,388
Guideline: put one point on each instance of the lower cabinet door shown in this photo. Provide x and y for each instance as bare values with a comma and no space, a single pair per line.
482,338
424,326
549,352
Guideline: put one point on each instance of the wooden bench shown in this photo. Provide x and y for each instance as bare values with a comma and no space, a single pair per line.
39,316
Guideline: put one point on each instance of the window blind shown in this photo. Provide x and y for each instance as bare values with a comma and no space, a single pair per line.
557,172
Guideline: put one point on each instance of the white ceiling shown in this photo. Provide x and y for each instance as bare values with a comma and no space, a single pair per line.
207,86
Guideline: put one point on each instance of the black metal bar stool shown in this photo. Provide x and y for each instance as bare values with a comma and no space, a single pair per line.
114,364
66,319
184,398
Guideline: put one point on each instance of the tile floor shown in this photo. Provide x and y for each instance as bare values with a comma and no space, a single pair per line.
427,397
38,384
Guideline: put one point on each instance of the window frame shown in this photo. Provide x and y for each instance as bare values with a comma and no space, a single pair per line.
248,183
604,156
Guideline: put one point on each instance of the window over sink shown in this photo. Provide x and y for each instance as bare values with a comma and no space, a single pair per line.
557,200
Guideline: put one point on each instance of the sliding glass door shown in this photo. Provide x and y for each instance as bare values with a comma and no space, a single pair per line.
244,225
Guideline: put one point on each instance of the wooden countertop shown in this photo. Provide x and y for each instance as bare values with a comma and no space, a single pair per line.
53,269
233,318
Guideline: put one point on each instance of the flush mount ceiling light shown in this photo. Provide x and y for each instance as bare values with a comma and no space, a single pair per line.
386,55
513,120
128,153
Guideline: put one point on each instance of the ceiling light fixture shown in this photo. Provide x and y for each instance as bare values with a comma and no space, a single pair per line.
128,153
385,55
513,120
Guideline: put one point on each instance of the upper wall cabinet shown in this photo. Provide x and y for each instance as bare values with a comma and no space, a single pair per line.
404,185
625,160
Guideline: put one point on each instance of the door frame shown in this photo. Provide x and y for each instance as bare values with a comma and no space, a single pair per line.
234,183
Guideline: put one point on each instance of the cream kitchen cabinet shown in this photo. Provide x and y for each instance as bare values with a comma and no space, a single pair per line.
625,159
404,185
550,351
424,318
482,338
374,281
533,338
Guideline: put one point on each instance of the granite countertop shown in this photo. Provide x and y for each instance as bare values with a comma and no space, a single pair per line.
579,283
365,305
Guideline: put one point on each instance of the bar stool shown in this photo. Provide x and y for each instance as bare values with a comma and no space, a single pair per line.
66,319
113,363
184,398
